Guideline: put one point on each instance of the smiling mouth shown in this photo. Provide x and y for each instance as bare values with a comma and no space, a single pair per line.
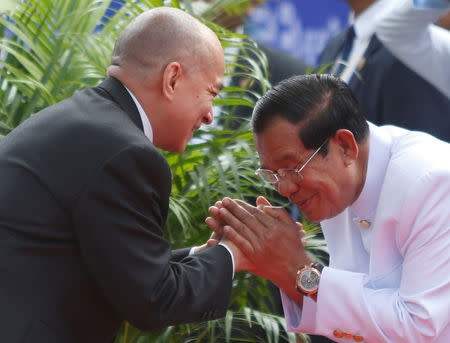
305,203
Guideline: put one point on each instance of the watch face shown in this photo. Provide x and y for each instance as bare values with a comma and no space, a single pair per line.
309,280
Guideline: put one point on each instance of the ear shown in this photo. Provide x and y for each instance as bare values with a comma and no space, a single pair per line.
348,147
172,74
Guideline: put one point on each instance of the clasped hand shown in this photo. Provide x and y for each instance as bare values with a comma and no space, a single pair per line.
265,240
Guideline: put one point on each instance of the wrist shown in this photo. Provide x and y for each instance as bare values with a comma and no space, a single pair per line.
308,279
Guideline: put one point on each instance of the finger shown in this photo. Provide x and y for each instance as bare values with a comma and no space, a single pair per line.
302,233
278,213
266,219
260,207
216,236
211,242
241,243
214,211
262,201
214,225
238,225
250,208
244,216
255,211
299,225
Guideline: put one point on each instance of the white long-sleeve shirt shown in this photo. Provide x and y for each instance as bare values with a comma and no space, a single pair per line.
389,274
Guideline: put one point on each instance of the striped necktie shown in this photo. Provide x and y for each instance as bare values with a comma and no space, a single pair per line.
346,48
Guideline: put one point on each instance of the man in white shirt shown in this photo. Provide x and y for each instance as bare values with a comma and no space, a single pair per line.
382,197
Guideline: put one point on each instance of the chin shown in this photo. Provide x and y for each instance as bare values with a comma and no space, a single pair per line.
178,150
313,217
181,148
172,148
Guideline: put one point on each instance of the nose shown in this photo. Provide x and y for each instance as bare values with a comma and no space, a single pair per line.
208,118
286,187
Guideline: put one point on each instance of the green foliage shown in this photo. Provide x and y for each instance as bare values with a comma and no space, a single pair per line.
249,325
49,50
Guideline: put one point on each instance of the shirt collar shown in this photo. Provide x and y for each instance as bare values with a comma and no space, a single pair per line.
148,131
379,154
366,22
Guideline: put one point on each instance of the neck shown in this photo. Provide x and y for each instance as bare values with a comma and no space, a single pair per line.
359,6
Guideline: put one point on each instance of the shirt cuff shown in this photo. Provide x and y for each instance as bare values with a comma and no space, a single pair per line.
431,3
299,319
192,252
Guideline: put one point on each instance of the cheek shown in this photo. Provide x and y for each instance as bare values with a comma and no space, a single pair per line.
332,200
326,189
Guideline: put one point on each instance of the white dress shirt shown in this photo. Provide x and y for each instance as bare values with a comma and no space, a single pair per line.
389,273
407,31
148,131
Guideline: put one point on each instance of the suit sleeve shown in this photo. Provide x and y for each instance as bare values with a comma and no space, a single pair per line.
179,254
418,309
119,219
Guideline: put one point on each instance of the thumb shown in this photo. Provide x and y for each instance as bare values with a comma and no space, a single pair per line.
262,201
278,213
211,242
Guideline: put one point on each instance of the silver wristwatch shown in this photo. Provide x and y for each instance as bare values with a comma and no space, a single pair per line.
308,278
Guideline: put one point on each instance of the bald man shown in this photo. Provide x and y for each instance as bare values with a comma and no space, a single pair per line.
85,201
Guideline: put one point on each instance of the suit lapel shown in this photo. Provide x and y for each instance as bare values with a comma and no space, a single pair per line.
333,48
121,96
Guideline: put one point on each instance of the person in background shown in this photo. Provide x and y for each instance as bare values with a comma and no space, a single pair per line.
381,195
84,203
408,32
388,91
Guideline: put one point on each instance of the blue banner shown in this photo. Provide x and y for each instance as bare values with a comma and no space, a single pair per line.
300,28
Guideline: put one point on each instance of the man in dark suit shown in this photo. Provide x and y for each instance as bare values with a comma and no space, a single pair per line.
85,193
387,90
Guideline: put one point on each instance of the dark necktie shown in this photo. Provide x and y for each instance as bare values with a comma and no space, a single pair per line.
346,48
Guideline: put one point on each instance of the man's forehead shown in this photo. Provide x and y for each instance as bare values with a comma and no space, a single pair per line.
284,136
279,145
280,156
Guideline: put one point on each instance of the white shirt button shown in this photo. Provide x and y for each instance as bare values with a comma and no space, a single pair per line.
364,224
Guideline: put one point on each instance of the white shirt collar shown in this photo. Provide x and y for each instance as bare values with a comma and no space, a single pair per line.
148,131
379,154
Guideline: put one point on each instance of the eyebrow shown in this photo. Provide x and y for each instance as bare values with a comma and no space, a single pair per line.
281,160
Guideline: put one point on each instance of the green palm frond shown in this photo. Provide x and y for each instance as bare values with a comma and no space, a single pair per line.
249,325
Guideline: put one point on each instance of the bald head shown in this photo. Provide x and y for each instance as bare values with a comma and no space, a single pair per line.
159,36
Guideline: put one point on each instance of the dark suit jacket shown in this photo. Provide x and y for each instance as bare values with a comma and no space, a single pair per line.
391,93
84,199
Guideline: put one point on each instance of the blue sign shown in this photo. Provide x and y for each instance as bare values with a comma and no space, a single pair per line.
300,28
